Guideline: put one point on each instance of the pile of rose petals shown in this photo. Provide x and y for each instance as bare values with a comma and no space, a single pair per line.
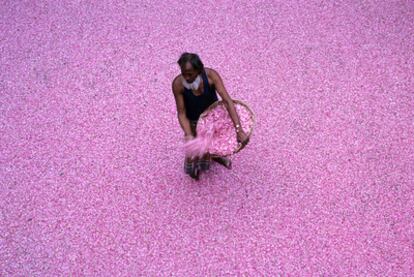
216,131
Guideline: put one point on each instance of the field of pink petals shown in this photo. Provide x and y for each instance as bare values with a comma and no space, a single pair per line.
91,165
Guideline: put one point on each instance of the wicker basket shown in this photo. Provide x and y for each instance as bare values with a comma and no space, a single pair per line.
247,120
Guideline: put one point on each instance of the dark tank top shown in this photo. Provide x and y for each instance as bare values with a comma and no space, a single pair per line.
196,105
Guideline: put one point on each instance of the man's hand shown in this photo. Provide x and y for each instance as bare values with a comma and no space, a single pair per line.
242,138
188,137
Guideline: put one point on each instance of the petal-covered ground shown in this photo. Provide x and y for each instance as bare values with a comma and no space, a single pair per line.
91,169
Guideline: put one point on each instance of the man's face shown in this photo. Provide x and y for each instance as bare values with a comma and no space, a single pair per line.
189,73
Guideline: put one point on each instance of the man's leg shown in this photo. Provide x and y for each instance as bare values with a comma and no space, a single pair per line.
226,162
204,163
191,168
188,166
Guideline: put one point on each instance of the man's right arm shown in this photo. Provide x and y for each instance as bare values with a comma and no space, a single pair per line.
182,117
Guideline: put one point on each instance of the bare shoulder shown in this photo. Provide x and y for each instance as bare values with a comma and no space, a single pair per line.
213,75
211,72
177,85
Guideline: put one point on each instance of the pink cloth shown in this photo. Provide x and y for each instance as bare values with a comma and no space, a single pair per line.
216,133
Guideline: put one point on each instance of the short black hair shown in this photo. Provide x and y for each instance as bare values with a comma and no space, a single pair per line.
194,59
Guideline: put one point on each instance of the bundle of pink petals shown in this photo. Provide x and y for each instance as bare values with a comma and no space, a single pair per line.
216,134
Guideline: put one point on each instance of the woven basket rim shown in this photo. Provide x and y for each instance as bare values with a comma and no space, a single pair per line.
242,103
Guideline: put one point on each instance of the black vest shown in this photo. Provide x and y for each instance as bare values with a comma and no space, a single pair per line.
196,105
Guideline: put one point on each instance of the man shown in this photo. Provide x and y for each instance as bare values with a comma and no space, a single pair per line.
195,89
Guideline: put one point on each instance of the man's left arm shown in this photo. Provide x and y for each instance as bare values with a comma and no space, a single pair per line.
228,102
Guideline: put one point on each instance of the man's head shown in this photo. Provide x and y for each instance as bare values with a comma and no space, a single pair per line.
191,66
